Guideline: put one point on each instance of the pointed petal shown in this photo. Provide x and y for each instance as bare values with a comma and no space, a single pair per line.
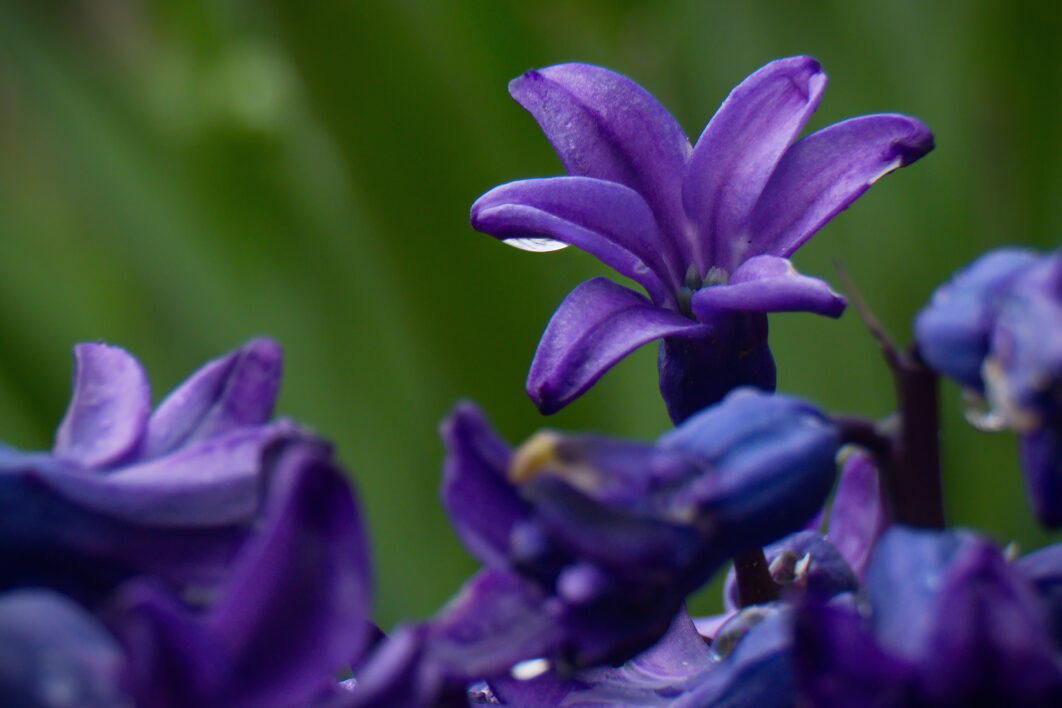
105,420
294,610
236,390
606,219
56,654
598,324
211,483
604,125
857,517
767,284
739,148
825,172
482,504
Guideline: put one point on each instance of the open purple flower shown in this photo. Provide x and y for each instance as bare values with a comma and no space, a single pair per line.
127,491
706,230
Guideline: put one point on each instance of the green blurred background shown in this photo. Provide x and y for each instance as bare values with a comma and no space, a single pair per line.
177,176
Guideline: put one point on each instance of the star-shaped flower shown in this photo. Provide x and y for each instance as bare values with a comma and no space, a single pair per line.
705,229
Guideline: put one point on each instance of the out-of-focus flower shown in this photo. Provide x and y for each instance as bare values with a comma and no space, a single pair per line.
950,624
706,230
126,490
593,544
293,611
996,328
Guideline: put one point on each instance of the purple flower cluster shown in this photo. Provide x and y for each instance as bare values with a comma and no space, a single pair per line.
204,554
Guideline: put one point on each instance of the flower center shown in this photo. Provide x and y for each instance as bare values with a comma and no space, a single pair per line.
694,282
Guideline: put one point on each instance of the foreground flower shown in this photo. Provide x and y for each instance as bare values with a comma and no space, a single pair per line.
291,612
996,328
706,230
126,491
592,544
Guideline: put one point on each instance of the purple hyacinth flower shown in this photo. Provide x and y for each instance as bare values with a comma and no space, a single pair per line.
706,229
127,491
592,544
292,612
996,328
950,624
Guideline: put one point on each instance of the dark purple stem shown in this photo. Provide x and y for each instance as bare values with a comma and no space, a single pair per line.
755,585
909,465
913,483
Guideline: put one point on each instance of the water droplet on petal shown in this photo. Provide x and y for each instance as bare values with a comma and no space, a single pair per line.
534,244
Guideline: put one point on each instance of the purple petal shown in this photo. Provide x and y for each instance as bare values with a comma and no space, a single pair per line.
292,612
211,483
51,540
902,578
396,674
767,284
989,636
758,673
1043,568
236,390
839,665
108,410
295,608
481,502
598,324
605,219
738,151
604,125
824,173
857,517
496,621
771,460
652,678
56,654
709,625
954,329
